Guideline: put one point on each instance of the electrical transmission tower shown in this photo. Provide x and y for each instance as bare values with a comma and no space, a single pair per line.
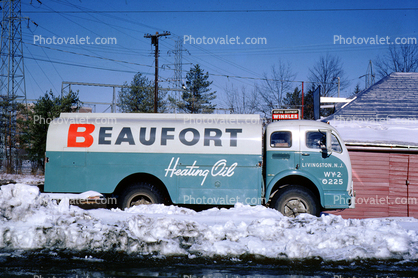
12,81
178,65
369,76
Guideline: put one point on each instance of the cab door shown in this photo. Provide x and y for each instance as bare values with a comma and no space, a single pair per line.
326,166
281,145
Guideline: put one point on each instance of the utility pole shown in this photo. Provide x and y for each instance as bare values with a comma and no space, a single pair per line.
154,41
302,102
338,86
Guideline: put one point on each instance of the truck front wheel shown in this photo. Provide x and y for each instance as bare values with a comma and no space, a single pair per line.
140,194
294,200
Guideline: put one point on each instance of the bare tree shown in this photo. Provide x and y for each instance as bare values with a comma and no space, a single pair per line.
398,58
241,101
275,87
326,73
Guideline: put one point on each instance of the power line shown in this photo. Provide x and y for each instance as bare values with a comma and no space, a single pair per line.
233,11
122,29
43,50
121,61
52,10
207,52
36,61
90,56
83,66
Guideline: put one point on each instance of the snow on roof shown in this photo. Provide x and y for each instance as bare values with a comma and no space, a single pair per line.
386,113
391,132
395,96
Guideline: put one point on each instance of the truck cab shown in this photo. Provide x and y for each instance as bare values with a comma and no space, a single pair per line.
307,168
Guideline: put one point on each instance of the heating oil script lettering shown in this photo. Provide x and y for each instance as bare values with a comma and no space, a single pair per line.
218,169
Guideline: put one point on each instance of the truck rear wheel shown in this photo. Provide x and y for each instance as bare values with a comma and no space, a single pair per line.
140,194
294,200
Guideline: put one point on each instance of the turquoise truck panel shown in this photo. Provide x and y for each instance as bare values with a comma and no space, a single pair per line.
186,176
198,159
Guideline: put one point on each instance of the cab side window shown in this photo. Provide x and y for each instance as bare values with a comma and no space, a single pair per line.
315,139
281,139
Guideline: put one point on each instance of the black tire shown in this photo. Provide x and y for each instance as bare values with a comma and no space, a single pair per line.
294,200
140,194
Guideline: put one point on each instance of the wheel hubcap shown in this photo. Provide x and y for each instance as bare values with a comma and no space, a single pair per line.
140,200
294,207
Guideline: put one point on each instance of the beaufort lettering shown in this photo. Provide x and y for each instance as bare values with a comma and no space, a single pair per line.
82,136
80,131
125,135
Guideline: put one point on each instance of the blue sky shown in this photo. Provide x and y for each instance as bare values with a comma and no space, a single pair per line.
298,32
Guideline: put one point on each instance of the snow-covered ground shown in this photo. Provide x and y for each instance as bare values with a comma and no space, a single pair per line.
26,179
31,221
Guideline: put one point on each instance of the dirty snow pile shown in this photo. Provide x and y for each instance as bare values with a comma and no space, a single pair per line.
31,221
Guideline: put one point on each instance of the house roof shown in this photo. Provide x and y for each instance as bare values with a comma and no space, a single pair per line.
395,96
386,114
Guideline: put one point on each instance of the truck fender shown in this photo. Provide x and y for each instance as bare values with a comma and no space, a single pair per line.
277,178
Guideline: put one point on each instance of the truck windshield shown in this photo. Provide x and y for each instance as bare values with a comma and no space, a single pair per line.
335,143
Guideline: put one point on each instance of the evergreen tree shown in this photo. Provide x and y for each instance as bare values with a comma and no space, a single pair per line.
9,135
308,104
197,98
357,89
293,100
139,96
35,126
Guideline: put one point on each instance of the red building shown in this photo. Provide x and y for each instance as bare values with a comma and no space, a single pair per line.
380,128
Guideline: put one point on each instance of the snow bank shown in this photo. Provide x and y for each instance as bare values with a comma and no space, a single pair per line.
31,221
